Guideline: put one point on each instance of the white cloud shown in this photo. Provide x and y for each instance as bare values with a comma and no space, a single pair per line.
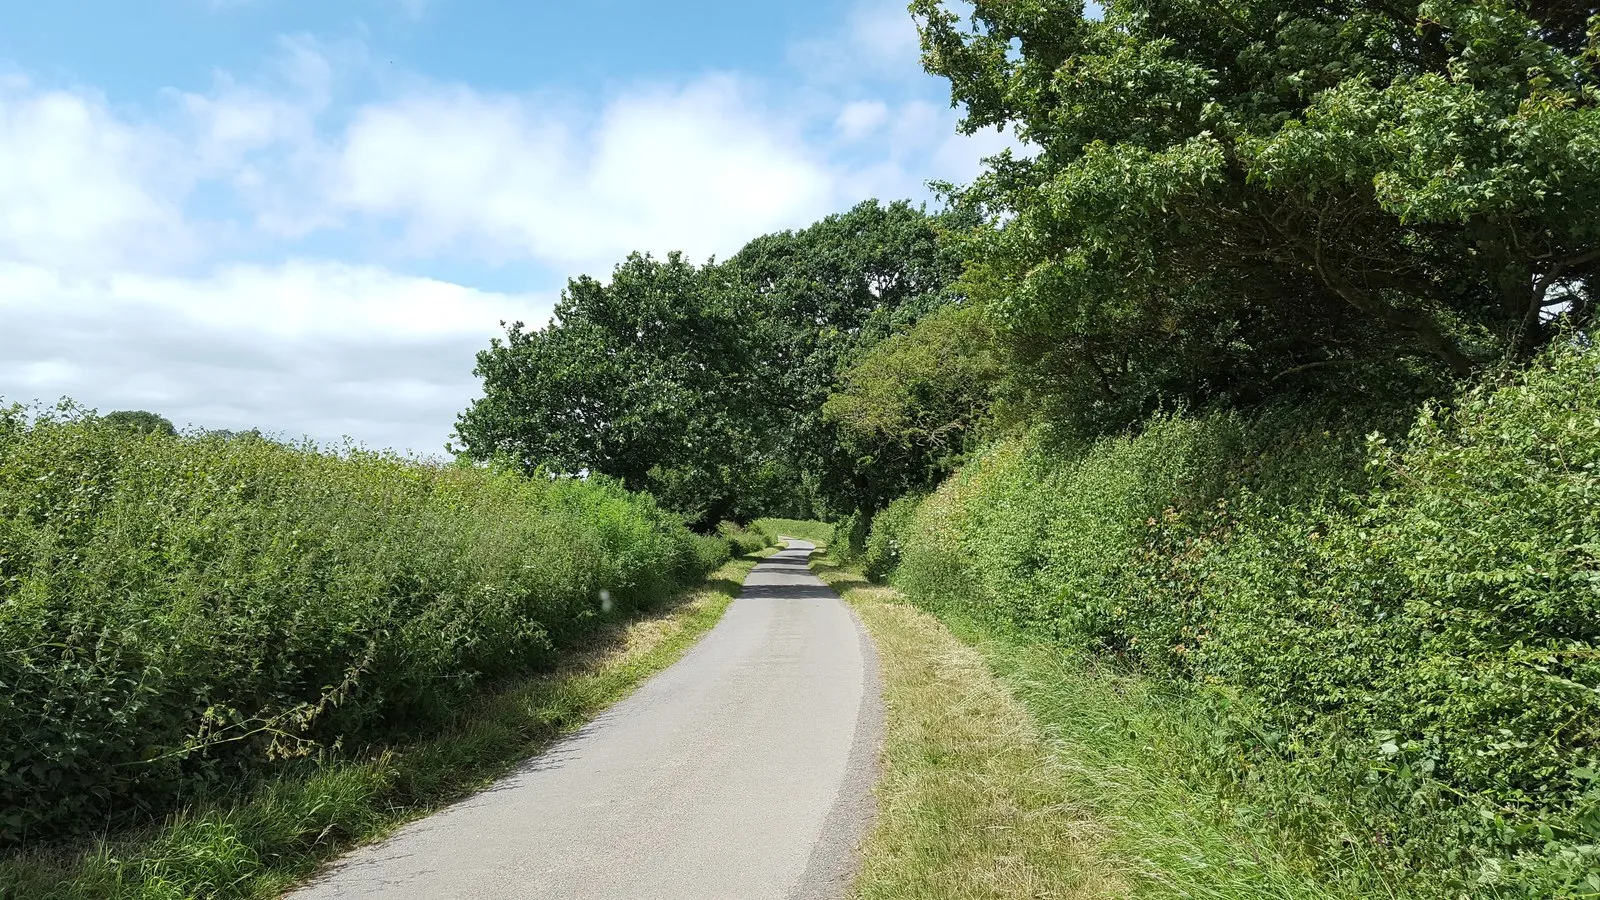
297,299
304,348
860,118
81,186
886,32
116,223
231,122
699,168
958,158
89,186
913,142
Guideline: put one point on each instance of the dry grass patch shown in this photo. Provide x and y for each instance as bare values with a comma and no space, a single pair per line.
970,804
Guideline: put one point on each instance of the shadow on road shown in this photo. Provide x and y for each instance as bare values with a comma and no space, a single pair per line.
787,592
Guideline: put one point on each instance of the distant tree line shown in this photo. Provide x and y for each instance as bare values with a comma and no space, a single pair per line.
709,385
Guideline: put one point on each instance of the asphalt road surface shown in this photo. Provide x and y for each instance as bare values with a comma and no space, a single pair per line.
742,772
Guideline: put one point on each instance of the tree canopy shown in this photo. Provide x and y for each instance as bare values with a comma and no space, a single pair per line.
705,384
1216,201
917,402
820,299
638,379
1209,204
140,420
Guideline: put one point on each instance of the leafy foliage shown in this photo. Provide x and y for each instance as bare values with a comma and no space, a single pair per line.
705,385
851,534
1223,203
261,843
741,541
178,613
1400,655
824,297
916,403
641,379
885,543
141,421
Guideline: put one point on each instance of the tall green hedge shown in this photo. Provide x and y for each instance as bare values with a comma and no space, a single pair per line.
182,612
880,552
1400,638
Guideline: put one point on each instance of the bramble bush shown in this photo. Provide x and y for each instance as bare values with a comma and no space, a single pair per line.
1399,637
183,612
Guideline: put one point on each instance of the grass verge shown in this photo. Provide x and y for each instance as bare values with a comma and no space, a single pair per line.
969,804
260,847
1013,770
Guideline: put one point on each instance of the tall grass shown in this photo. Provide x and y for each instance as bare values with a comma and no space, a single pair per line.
970,803
1397,642
1015,770
1131,751
180,615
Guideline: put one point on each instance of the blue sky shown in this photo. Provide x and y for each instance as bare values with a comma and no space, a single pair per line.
307,217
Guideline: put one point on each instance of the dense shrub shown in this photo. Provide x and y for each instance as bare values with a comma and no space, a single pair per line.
881,553
850,536
1047,534
1404,655
738,540
181,611
711,552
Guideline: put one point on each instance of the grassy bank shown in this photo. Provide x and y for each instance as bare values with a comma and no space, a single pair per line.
1011,770
262,845
1386,645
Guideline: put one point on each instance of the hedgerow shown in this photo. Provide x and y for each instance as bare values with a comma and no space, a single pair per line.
881,553
850,536
741,541
178,613
1399,636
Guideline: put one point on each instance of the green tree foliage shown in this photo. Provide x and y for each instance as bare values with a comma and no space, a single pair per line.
824,296
182,614
645,379
1228,201
705,385
915,404
141,421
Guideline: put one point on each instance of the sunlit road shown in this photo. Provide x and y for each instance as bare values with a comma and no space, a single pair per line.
742,772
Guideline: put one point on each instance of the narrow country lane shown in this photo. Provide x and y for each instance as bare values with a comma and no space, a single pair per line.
743,772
